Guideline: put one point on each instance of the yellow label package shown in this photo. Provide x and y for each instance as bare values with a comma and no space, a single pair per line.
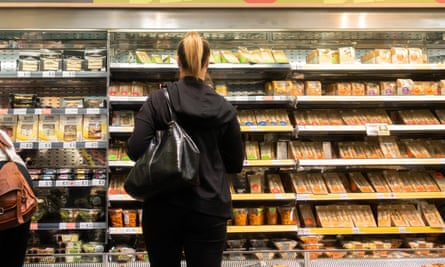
48,127
94,127
27,128
9,124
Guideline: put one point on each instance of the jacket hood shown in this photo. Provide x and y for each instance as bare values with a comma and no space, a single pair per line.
198,105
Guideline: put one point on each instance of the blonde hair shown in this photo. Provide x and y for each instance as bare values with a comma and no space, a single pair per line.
193,52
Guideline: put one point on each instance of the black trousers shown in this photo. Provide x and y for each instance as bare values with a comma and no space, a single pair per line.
13,244
170,231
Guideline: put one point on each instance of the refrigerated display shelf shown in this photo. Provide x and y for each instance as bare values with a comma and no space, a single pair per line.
69,183
120,163
368,67
54,74
266,129
367,129
265,196
371,162
370,196
371,230
49,111
262,228
60,145
405,262
270,163
69,226
370,100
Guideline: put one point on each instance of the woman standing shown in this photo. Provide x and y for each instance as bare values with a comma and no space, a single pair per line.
13,241
192,221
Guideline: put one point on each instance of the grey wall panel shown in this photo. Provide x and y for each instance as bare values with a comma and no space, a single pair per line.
185,19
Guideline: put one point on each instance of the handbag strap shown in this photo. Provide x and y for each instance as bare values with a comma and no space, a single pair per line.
172,113
4,149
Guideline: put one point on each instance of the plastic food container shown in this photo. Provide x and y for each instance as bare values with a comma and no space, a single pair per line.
256,216
239,216
68,214
236,243
271,215
288,215
285,244
263,254
259,243
311,239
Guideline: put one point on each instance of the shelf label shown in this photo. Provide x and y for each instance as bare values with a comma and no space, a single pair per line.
45,145
356,230
377,129
69,145
4,111
91,144
67,183
19,111
23,74
45,183
67,225
380,195
98,182
34,226
26,145
71,111
68,74
48,74
86,225
93,111
403,230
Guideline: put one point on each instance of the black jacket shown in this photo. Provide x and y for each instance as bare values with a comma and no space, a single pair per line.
212,123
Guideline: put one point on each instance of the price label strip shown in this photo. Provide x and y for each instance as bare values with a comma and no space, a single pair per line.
377,129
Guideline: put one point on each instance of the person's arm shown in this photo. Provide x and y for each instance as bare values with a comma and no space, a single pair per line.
232,149
143,131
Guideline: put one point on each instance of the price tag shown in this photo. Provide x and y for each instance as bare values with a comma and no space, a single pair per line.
304,231
343,196
45,145
3,111
26,145
23,74
71,111
34,226
402,230
69,145
93,111
68,225
68,74
19,111
49,74
356,230
46,183
302,196
377,129
98,182
86,225
380,195
91,144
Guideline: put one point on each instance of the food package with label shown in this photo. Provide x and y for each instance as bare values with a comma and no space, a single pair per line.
284,88
73,60
312,88
95,59
48,127
346,55
280,56
274,183
28,61
316,183
246,117
399,55
388,88
378,182
8,123
418,117
383,215
307,216
440,113
228,57
265,55
416,148
94,127
267,150
340,89
431,215
307,150
50,60
298,183
70,128
281,149
405,86
415,55
27,128
389,147
252,150
319,56
377,56
142,57
357,88
359,183
256,183
72,102
372,88
122,118
442,87
334,183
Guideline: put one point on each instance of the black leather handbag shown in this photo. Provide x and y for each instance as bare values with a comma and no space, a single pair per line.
170,163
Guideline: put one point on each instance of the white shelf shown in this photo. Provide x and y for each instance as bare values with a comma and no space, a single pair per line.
370,162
